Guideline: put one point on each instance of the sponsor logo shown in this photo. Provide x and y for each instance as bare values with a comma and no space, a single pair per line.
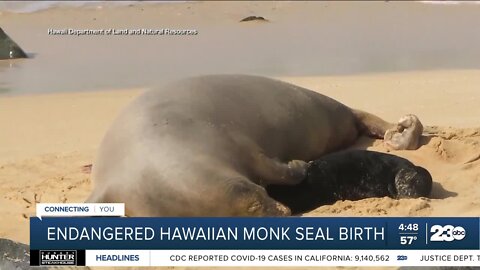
58,257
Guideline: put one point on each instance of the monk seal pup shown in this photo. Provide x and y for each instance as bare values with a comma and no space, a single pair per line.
354,175
208,145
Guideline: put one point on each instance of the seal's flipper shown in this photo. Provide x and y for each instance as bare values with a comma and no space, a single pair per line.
8,48
273,171
406,135
371,125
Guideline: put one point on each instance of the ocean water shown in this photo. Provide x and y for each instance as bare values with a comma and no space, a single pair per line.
311,39
445,2
33,6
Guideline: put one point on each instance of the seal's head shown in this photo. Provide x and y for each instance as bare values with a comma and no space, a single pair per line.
413,182
248,199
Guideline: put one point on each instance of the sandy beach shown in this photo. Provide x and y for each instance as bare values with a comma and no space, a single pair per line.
47,138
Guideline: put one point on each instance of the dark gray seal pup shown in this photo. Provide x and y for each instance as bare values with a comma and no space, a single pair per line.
208,145
354,175
8,48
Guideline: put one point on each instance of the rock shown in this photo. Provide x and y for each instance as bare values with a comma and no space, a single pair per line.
14,255
253,18
8,48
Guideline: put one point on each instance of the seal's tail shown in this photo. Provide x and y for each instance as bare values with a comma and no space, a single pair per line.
371,125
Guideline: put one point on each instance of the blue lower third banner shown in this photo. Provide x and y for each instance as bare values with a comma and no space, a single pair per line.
291,241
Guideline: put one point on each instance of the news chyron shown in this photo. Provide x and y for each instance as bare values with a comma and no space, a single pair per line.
101,235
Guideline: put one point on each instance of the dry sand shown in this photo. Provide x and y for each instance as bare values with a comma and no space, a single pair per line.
45,139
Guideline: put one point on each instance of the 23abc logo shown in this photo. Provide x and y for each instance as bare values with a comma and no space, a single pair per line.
446,233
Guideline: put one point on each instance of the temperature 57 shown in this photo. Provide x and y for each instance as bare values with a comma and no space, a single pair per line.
407,239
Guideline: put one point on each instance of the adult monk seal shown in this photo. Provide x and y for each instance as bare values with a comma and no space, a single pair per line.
354,175
208,145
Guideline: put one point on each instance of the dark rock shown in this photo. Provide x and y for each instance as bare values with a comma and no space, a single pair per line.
8,48
14,255
253,18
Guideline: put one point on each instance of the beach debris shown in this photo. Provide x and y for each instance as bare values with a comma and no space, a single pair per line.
27,200
8,48
87,168
37,198
253,18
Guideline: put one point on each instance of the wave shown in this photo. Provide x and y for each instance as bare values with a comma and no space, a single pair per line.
444,2
34,6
